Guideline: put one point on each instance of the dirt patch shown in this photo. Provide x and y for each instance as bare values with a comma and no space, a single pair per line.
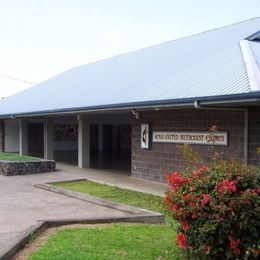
42,238
34,244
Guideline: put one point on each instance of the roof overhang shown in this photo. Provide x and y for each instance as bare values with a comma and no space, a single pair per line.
241,100
236,100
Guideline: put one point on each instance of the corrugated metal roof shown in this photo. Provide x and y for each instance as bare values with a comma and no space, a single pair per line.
255,46
203,65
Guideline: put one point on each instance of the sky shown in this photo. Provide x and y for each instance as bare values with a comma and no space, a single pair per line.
40,39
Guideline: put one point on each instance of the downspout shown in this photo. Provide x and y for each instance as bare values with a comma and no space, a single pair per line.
245,110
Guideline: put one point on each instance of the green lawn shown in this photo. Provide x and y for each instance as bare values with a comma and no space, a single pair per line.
113,241
129,197
16,157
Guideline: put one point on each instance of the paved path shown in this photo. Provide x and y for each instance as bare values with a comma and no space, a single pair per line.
115,178
22,205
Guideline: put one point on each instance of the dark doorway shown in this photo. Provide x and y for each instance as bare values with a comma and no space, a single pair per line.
108,137
35,139
116,147
124,145
94,137
124,138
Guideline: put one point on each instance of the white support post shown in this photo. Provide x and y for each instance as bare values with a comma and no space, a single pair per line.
83,142
48,140
23,137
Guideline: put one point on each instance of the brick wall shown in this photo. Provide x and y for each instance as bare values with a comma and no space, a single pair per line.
163,158
254,136
2,136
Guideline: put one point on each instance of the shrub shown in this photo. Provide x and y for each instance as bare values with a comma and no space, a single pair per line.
217,206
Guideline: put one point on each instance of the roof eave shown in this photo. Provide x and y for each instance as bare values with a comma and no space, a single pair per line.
234,100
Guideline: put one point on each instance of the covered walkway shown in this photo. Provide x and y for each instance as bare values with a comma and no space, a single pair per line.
116,178
99,141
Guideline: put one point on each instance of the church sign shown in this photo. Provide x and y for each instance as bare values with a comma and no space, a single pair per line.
204,138
145,136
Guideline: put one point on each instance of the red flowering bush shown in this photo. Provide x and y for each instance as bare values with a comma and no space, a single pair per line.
217,207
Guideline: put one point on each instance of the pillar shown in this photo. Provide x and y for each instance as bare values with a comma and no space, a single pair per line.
48,148
23,137
83,142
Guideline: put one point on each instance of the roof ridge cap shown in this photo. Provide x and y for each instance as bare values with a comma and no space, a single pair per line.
252,69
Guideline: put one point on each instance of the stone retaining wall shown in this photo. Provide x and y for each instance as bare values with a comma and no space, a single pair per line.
9,168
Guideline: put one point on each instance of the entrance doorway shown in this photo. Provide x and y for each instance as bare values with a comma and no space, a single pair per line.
109,141
110,147
35,140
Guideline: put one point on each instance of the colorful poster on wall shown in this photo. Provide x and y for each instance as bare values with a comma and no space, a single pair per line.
65,133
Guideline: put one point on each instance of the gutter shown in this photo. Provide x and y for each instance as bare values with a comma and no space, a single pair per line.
147,105
197,105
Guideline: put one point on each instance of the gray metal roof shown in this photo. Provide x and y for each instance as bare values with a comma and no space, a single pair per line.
201,66
255,45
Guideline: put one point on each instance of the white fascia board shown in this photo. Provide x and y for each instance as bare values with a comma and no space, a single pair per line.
251,65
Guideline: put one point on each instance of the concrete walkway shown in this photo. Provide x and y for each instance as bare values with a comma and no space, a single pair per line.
114,178
22,205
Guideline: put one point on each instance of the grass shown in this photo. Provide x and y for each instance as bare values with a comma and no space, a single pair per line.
125,196
114,241
16,157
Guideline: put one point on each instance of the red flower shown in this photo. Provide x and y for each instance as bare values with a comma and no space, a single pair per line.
257,190
234,245
182,241
198,172
204,168
187,197
226,186
192,204
185,225
176,181
206,199
175,207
